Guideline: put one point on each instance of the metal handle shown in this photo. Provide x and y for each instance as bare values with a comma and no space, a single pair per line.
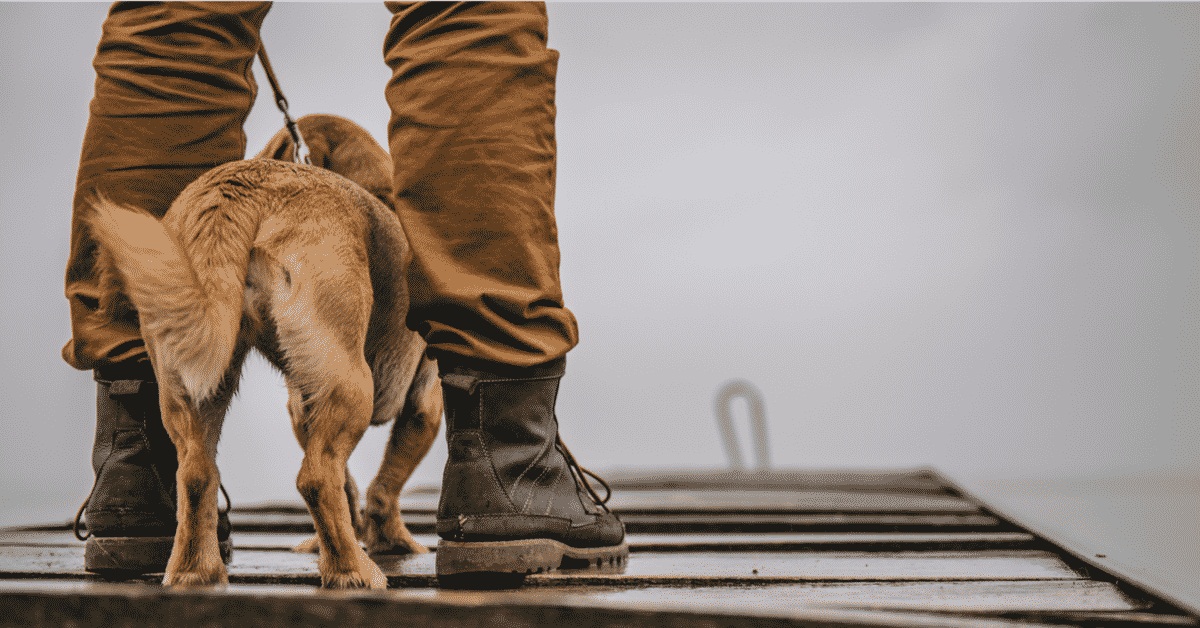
723,405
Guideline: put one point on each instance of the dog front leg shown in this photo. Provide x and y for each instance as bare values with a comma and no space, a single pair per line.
412,435
312,545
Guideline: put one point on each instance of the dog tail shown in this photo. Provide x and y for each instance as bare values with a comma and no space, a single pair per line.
192,322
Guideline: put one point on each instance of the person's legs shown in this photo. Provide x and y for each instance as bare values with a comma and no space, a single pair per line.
472,136
173,87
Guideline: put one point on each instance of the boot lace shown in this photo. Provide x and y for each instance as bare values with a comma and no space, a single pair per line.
581,475
83,536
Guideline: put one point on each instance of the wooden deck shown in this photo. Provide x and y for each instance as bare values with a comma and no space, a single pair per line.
799,549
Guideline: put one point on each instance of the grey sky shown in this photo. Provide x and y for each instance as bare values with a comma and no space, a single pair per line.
959,235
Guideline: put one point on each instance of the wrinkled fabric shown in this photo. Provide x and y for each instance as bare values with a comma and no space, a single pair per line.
173,88
471,133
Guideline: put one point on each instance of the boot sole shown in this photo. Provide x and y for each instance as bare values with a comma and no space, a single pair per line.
135,555
504,564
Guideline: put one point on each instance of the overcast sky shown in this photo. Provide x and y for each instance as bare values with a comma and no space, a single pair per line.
955,235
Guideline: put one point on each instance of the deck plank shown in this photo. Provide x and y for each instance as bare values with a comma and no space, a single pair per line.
858,566
913,481
832,549
759,500
1059,595
421,522
250,565
78,603
713,542
1141,527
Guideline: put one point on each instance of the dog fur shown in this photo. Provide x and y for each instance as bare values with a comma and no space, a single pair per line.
307,265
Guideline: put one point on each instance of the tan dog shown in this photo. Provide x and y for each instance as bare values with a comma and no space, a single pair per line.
343,147
308,268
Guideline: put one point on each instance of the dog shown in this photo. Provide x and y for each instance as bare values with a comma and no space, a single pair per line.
345,148
306,264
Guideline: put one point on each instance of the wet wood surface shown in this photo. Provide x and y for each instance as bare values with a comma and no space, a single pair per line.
992,596
896,482
830,553
691,522
1140,526
285,567
58,603
684,542
770,500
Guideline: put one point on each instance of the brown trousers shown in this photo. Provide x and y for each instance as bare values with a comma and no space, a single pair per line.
471,135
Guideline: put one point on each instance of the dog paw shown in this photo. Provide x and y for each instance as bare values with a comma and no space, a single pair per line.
367,576
378,580
403,545
387,534
185,579
308,546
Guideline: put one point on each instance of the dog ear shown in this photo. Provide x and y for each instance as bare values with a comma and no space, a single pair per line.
279,147
342,146
318,150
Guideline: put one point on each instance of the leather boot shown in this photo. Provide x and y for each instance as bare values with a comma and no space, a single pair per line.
130,512
514,501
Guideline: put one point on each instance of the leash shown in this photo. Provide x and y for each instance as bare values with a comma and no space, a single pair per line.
299,148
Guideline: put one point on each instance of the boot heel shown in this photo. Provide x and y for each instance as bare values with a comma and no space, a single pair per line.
122,556
605,560
504,564
499,557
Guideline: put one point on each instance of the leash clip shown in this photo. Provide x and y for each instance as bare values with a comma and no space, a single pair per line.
300,152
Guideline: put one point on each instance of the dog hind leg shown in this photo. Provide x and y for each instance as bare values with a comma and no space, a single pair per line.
319,301
195,555
331,397
330,428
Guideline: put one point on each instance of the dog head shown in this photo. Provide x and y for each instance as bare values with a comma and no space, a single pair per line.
341,146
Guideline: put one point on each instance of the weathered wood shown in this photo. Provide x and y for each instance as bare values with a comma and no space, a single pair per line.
1099,619
1138,527
687,567
420,522
837,549
666,500
993,596
691,542
284,607
295,520
830,541
810,522
916,481
715,500
691,568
